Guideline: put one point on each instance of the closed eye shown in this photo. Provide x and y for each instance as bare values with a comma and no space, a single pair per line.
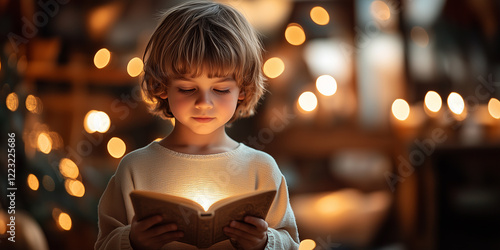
222,91
186,91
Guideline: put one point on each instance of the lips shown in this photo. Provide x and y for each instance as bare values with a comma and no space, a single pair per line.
203,119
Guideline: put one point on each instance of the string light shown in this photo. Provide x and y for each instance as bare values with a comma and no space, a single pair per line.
456,103
74,187
380,10
116,147
135,67
273,67
307,244
96,121
33,183
400,109
433,101
326,85
64,221
319,15
101,58
12,101
44,143
68,168
494,108
308,101
295,35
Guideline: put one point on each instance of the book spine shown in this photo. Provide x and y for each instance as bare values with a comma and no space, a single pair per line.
205,231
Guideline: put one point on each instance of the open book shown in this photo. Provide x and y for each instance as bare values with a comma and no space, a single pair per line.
202,228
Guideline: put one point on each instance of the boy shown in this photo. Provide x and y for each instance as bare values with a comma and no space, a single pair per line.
202,68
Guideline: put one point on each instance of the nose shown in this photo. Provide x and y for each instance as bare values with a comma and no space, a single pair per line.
203,100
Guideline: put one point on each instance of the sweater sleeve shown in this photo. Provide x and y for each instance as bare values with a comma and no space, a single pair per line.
282,232
114,226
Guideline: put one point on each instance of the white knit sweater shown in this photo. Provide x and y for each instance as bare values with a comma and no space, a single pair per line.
203,178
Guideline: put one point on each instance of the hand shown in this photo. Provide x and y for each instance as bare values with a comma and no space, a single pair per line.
251,234
149,233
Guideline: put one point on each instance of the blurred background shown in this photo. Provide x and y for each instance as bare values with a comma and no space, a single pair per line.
383,115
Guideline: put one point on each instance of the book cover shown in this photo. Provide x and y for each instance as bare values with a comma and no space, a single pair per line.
202,228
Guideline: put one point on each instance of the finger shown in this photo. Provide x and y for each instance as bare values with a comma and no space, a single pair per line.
148,222
239,235
259,223
247,228
161,229
169,237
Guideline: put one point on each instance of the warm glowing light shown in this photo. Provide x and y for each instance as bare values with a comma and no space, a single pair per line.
456,103
380,10
158,139
74,187
44,143
274,67
295,35
433,101
135,66
101,58
12,101
3,224
33,183
400,109
48,183
308,101
68,168
494,108
419,36
64,221
31,103
116,147
307,244
319,15
96,121
326,85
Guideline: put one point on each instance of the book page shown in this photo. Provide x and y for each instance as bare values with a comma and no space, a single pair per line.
184,214
254,205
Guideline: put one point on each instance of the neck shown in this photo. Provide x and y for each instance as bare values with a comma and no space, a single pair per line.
184,140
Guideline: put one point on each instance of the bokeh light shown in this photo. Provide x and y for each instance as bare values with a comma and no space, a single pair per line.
380,10
308,101
33,183
135,66
400,109
12,101
64,221
273,67
456,103
48,183
433,101
74,187
68,168
96,121
494,108
44,143
319,15
116,147
101,58
326,85
419,36
31,103
295,35
307,244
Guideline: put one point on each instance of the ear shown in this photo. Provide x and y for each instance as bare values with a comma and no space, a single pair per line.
241,96
164,95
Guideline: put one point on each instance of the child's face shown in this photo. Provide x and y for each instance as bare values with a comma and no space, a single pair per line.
203,104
